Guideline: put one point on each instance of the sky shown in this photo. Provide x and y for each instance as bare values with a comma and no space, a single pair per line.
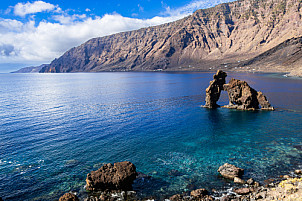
36,32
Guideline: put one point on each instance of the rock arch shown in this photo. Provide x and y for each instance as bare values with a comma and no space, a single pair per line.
241,95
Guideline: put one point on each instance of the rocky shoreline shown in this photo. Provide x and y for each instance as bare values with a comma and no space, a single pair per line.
114,182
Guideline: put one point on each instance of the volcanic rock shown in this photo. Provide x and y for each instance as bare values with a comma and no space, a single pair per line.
230,171
214,90
242,191
250,181
209,38
199,192
238,180
69,197
117,176
241,95
265,105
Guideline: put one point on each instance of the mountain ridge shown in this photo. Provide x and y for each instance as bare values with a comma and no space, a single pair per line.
207,39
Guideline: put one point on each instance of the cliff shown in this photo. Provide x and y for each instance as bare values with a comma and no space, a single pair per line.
31,69
207,39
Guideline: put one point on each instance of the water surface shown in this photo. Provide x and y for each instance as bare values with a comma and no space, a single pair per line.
56,128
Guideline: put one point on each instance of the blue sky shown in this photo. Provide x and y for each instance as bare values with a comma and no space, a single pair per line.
36,32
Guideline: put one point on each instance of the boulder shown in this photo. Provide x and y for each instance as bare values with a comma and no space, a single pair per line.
230,171
117,176
199,192
176,197
238,180
250,181
214,89
69,197
242,191
241,95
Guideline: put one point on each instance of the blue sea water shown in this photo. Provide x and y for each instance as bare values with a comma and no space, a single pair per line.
56,128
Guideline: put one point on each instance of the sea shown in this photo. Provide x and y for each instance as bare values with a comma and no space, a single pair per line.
56,128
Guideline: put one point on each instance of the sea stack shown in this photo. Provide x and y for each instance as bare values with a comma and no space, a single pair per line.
214,90
241,95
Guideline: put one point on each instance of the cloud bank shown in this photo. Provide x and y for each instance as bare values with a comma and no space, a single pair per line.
30,8
31,41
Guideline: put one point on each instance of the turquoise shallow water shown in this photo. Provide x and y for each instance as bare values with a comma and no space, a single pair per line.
56,128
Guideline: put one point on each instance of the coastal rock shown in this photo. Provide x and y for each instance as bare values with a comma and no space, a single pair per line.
241,95
265,105
199,192
117,176
242,191
69,197
298,171
238,180
176,197
230,171
250,181
214,89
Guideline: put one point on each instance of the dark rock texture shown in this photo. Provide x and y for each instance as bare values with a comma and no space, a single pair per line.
69,197
230,171
209,38
214,90
265,105
117,176
241,95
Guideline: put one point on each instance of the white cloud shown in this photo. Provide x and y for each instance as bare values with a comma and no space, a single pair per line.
21,9
32,41
49,40
191,7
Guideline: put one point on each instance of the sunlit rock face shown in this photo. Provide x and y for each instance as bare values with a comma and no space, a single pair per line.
231,34
241,95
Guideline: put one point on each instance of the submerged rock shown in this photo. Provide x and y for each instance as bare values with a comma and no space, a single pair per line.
214,90
69,197
230,171
117,176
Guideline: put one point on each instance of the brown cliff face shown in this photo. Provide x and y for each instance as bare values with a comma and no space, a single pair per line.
208,38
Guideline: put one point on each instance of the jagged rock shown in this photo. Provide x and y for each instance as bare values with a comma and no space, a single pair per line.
250,181
241,95
230,171
118,176
176,197
214,90
69,197
265,105
199,192
242,191
238,180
